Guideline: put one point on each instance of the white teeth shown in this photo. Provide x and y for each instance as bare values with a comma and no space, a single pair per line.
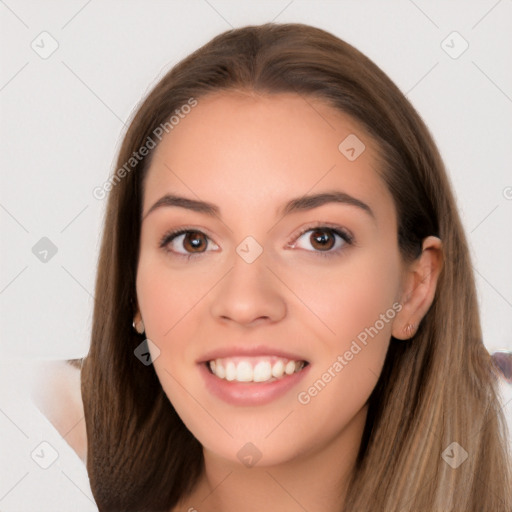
218,370
244,372
278,369
254,369
230,371
290,367
262,372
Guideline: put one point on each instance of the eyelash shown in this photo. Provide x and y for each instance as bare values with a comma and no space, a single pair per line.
342,233
171,235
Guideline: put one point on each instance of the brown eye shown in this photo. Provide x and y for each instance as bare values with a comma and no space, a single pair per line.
187,243
323,240
194,241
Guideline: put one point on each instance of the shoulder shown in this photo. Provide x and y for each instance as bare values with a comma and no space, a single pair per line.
55,390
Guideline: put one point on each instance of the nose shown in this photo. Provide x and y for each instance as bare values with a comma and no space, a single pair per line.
249,294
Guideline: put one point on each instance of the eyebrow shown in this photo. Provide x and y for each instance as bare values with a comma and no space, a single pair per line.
303,203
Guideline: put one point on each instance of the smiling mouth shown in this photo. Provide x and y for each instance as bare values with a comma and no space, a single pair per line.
254,369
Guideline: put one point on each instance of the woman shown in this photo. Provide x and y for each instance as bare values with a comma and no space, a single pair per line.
282,243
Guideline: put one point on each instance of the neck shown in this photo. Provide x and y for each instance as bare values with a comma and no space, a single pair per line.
315,481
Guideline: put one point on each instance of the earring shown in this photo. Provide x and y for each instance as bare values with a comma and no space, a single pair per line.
139,326
410,329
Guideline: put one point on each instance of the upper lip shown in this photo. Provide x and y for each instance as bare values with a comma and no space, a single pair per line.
258,350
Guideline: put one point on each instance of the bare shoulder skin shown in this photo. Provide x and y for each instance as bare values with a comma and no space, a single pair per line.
503,361
55,390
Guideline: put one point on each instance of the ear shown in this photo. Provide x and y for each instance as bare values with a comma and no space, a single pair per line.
138,323
418,288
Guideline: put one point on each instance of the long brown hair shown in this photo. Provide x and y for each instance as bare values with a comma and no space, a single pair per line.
437,389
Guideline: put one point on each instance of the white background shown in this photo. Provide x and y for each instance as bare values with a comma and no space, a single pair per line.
63,117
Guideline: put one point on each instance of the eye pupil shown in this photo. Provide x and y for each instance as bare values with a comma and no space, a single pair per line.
322,238
194,240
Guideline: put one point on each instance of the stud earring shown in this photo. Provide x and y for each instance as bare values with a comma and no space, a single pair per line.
139,326
410,329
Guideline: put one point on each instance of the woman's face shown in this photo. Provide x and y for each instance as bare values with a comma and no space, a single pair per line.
268,281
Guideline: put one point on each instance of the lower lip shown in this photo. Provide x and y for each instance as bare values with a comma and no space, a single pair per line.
250,393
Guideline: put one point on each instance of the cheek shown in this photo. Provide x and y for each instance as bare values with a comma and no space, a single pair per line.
352,295
172,303
358,305
166,297
168,300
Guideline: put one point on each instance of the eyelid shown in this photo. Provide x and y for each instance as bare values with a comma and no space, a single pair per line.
328,225
183,229
338,230
170,235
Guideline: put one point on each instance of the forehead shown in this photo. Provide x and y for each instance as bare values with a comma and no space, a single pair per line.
244,149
